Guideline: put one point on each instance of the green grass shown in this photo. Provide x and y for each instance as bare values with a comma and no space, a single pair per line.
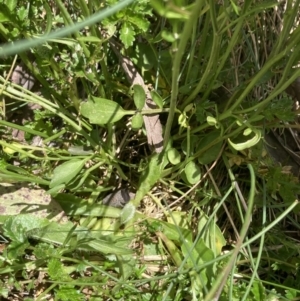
215,212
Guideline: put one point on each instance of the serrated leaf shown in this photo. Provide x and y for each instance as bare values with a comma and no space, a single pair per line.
127,213
174,156
127,35
55,269
192,172
140,22
139,96
23,13
68,293
137,121
102,111
212,153
11,4
280,109
58,272
66,172
17,249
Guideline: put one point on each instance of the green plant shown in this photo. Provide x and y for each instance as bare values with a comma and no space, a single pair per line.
210,206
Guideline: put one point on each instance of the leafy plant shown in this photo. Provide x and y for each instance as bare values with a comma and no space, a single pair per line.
210,210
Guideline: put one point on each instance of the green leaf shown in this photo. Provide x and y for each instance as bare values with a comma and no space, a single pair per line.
66,172
235,7
102,111
56,189
127,213
69,293
127,34
23,13
108,247
127,264
281,109
5,13
139,96
157,99
17,249
16,227
137,121
144,57
140,22
212,236
192,172
172,248
53,233
3,17
174,156
12,4
56,270
211,154
149,177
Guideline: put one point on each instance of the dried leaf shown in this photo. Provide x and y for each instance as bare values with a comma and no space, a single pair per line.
20,199
21,77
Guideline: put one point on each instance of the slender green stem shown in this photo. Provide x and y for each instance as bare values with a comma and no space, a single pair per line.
261,105
11,177
261,245
70,22
185,36
218,285
210,66
23,128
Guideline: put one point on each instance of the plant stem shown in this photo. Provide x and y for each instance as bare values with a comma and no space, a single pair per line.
185,36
